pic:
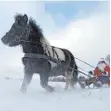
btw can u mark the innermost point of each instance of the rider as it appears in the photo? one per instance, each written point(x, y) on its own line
point(102, 71)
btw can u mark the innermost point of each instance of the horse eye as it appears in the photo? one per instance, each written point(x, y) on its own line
point(17, 22)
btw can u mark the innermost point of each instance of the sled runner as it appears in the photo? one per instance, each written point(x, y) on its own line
point(95, 81)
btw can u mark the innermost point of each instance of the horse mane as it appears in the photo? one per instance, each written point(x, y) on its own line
point(36, 28)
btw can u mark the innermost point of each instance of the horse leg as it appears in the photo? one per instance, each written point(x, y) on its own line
point(67, 81)
point(26, 81)
point(69, 77)
point(74, 76)
point(44, 81)
point(73, 79)
point(44, 70)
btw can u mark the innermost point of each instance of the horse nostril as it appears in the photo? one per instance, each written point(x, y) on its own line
point(2, 39)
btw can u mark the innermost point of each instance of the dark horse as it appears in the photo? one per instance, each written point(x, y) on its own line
point(39, 54)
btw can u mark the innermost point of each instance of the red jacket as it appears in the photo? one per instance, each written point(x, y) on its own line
point(97, 72)
point(107, 69)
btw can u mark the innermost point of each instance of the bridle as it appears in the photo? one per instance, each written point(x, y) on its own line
point(24, 36)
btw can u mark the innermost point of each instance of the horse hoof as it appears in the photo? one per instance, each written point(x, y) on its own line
point(72, 87)
point(50, 89)
point(66, 88)
point(23, 90)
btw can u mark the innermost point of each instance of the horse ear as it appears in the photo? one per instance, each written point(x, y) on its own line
point(25, 18)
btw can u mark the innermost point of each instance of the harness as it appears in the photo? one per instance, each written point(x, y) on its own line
point(41, 56)
point(26, 33)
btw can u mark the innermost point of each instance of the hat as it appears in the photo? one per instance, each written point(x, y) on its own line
point(101, 60)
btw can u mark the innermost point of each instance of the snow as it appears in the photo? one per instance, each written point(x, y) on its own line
point(37, 99)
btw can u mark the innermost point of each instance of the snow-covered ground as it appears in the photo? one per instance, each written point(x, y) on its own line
point(37, 99)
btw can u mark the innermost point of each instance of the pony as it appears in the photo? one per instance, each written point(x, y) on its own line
point(39, 56)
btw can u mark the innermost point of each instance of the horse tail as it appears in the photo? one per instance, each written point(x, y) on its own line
point(75, 67)
point(72, 64)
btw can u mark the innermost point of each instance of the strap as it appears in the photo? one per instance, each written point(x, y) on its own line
point(40, 56)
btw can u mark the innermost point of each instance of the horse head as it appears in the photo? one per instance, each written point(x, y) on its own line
point(17, 31)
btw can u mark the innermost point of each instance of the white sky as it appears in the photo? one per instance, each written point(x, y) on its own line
point(88, 38)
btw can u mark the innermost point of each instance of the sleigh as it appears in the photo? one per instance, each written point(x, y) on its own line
point(92, 82)
point(84, 82)
point(95, 81)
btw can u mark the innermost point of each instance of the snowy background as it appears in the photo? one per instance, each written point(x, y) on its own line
point(83, 28)
point(37, 99)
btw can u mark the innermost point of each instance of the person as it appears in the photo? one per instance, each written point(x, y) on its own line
point(102, 71)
